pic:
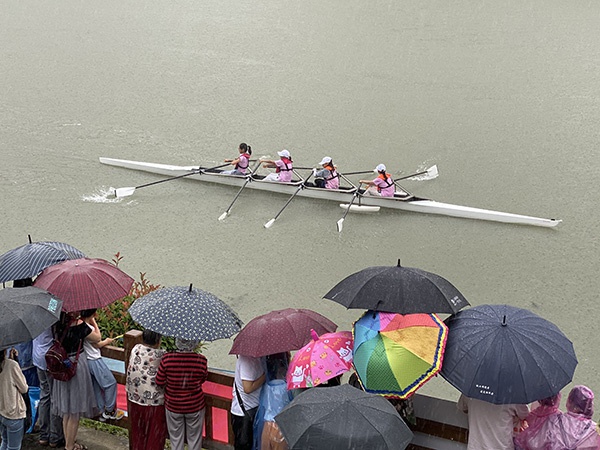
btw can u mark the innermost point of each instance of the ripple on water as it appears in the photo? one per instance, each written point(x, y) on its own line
point(104, 194)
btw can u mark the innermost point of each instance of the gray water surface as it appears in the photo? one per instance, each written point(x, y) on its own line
point(503, 96)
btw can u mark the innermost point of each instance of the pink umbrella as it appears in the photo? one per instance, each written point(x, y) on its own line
point(322, 359)
point(85, 283)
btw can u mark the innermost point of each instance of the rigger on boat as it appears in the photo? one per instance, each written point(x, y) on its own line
point(402, 200)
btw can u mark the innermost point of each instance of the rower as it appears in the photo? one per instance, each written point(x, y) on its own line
point(327, 177)
point(242, 162)
point(283, 167)
point(382, 186)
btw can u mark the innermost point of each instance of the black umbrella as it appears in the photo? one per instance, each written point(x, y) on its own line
point(342, 418)
point(28, 260)
point(397, 289)
point(25, 313)
point(502, 354)
point(186, 313)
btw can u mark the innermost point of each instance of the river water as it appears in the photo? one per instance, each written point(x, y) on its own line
point(503, 96)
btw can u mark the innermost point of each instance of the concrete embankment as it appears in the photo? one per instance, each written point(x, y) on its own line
point(92, 439)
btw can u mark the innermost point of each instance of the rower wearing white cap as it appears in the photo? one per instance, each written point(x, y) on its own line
point(327, 177)
point(383, 185)
point(283, 167)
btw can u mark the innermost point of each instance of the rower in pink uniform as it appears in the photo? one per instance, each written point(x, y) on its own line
point(242, 162)
point(283, 167)
point(383, 185)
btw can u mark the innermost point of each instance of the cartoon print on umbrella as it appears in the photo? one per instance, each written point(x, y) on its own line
point(322, 359)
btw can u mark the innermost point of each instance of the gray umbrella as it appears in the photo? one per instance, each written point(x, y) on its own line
point(342, 418)
point(397, 289)
point(28, 260)
point(187, 313)
point(25, 313)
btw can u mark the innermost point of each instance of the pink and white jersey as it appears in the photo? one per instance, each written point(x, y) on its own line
point(242, 165)
point(386, 188)
point(333, 182)
point(284, 169)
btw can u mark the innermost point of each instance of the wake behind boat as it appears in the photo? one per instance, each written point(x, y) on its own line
point(343, 195)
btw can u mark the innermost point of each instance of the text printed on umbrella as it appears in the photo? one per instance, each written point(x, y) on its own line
point(485, 390)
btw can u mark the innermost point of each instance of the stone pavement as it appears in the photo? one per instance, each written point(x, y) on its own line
point(92, 439)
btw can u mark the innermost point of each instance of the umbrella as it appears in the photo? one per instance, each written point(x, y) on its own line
point(279, 331)
point(502, 354)
point(25, 313)
point(397, 289)
point(85, 283)
point(342, 418)
point(28, 260)
point(187, 313)
point(396, 354)
point(323, 358)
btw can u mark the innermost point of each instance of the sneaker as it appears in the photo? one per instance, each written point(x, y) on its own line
point(117, 414)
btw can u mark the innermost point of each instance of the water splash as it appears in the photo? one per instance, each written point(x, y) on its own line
point(103, 194)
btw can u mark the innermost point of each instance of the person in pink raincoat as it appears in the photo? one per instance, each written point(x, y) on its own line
point(538, 423)
point(576, 430)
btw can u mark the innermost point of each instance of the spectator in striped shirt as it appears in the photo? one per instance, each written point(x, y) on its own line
point(182, 374)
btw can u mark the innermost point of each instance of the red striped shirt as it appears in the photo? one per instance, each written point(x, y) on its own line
point(182, 375)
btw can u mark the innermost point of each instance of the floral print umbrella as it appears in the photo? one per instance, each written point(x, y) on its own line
point(187, 313)
point(322, 359)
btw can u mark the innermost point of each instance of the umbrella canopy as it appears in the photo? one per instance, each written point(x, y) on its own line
point(397, 289)
point(323, 358)
point(396, 354)
point(25, 313)
point(85, 283)
point(502, 354)
point(187, 313)
point(342, 418)
point(279, 331)
point(28, 260)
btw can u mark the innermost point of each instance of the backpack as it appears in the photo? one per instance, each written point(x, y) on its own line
point(58, 363)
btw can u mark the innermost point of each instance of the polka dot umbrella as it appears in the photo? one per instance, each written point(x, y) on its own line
point(187, 313)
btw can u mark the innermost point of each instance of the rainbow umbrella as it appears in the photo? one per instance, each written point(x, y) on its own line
point(323, 358)
point(395, 354)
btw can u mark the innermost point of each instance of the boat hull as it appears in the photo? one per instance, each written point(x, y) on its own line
point(340, 196)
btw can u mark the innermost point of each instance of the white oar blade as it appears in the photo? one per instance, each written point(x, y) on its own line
point(224, 215)
point(124, 192)
point(432, 172)
point(340, 225)
point(270, 223)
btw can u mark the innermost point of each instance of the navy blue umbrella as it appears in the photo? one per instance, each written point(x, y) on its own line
point(187, 313)
point(502, 354)
point(28, 260)
point(26, 312)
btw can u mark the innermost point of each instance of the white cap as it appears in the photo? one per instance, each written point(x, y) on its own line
point(284, 153)
point(380, 168)
point(325, 160)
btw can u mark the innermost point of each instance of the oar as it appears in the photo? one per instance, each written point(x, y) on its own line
point(127, 191)
point(272, 221)
point(432, 172)
point(340, 223)
point(248, 179)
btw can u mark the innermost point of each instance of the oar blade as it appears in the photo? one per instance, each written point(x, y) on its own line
point(432, 172)
point(340, 224)
point(223, 216)
point(124, 192)
point(270, 223)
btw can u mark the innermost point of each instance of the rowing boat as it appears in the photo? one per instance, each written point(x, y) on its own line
point(342, 195)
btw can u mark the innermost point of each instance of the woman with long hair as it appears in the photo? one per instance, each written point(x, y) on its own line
point(242, 162)
point(74, 398)
point(12, 405)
